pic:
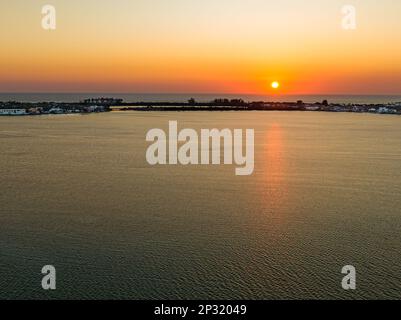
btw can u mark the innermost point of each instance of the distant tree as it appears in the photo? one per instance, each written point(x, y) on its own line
point(192, 101)
point(237, 101)
point(325, 103)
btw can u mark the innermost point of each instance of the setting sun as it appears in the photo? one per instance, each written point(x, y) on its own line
point(275, 85)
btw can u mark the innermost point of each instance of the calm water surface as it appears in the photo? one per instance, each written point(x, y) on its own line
point(76, 192)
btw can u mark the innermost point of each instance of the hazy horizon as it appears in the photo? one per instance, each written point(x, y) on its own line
point(200, 97)
point(199, 93)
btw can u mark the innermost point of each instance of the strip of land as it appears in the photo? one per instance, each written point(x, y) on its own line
point(111, 104)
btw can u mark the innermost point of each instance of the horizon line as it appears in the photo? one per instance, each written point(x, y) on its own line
point(201, 93)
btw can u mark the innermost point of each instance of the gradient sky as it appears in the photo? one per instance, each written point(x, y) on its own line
point(208, 46)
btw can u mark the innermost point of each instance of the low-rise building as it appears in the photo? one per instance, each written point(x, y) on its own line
point(312, 108)
point(94, 109)
point(13, 112)
point(103, 101)
point(56, 110)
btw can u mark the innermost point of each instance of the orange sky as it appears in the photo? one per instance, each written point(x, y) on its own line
point(185, 46)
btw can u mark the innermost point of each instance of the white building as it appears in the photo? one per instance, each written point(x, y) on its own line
point(95, 109)
point(383, 110)
point(12, 112)
point(56, 110)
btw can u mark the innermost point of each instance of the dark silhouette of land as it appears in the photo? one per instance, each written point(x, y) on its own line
point(110, 104)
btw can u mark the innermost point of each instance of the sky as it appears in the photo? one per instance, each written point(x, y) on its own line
point(208, 46)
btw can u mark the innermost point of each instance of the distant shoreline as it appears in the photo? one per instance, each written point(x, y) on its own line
point(14, 108)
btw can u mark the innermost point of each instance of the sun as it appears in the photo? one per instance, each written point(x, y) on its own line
point(275, 84)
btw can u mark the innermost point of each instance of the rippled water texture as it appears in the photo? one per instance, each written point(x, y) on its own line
point(76, 192)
